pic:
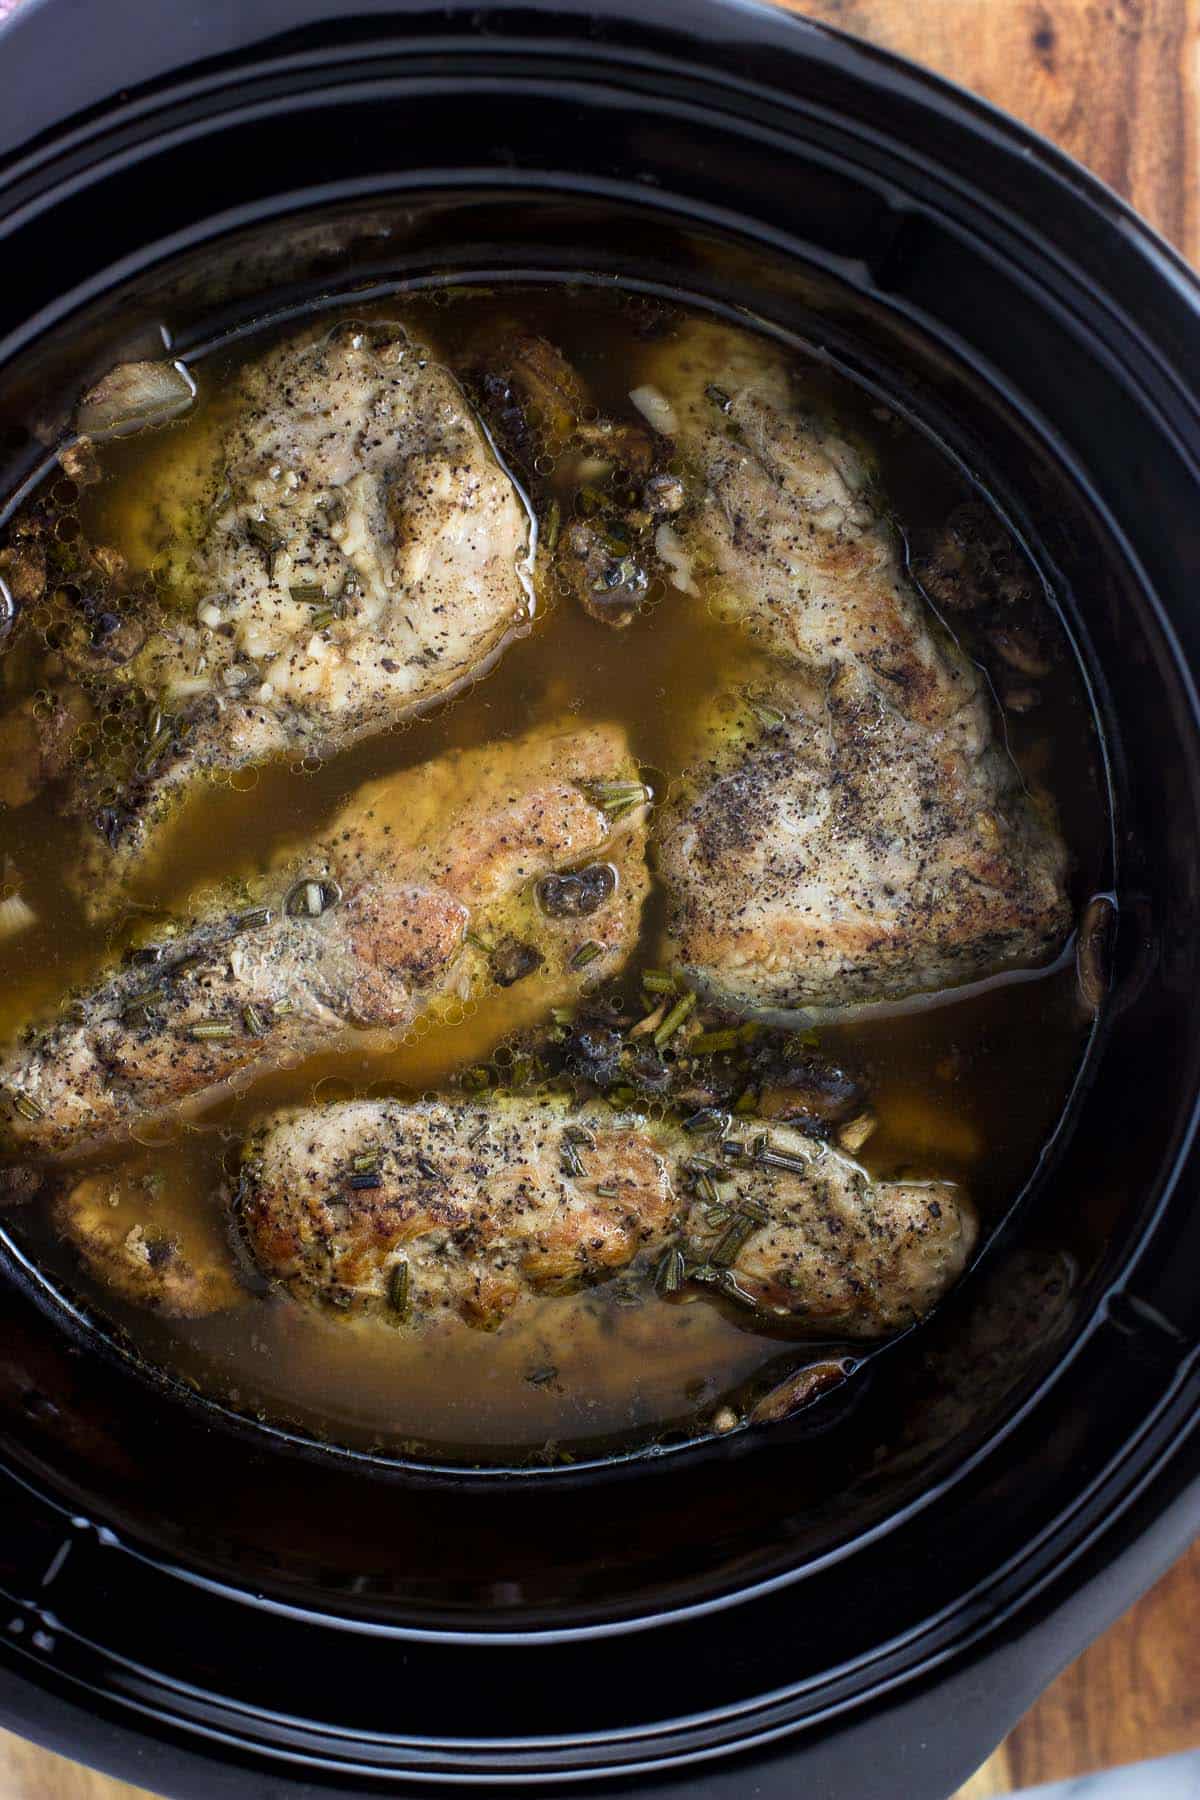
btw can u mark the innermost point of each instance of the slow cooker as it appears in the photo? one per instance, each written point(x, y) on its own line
point(859, 1603)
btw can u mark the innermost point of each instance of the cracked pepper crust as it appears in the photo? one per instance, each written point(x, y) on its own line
point(421, 859)
point(864, 836)
point(482, 1206)
point(363, 554)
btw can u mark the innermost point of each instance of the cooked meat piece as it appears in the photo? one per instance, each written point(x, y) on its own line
point(846, 855)
point(790, 537)
point(362, 554)
point(366, 928)
point(417, 1208)
point(222, 1000)
point(477, 1205)
point(134, 1243)
point(487, 825)
point(823, 1244)
point(866, 838)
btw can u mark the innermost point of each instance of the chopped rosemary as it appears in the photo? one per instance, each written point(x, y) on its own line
point(283, 1008)
point(478, 943)
point(429, 1170)
point(658, 981)
point(551, 527)
point(618, 808)
point(753, 1209)
point(264, 539)
point(306, 591)
point(681, 1010)
point(586, 953)
point(571, 1163)
point(702, 1272)
point(323, 616)
point(725, 1251)
point(616, 798)
point(256, 916)
point(706, 1187)
point(579, 1134)
point(768, 716)
point(717, 1215)
point(707, 1122)
point(213, 1029)
point(607, 1190)
point(358, 1183)
point(255, 1020)
point(669, 1275)
point(712, 1043)
point(364, 1164)
point(398, 1288)
point(160, 737)
point(776, 1159)
point(27, 1106)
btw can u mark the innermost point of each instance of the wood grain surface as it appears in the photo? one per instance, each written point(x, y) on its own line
point(1117, 84)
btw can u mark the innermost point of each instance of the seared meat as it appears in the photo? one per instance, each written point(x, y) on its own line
point(362, 553)
point(476, 1206)
point(804, 1232)
point(790, 537)
point(169, 1259)
point(868, 839)
point(441, 1204)
point(828, 852)
point(425, 885)
point(222, 998)
point(489, 826)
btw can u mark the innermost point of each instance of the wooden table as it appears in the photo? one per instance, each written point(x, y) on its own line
point(1116, 83)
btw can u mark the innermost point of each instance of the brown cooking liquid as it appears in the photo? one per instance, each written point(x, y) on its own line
point(968, 1089)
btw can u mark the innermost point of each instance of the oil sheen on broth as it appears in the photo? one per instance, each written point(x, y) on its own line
point(969, 1088)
